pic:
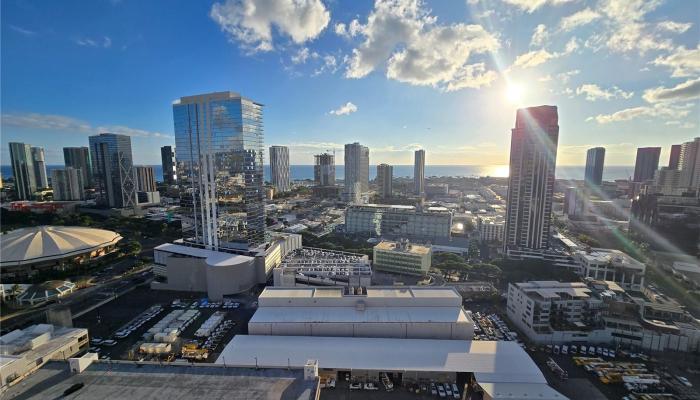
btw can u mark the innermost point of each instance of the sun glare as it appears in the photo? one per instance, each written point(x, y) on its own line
point(514, 93)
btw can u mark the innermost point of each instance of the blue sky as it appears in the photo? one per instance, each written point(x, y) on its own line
point(397, 75)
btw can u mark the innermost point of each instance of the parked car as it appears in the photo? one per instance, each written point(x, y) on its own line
point(433, 389)
point(355, 386)
point(441, 391)
point(370, 386)
point(455, 391)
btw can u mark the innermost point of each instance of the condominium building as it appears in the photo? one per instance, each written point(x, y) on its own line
point(167, 156)
point(279, 168)
point(574, 202)
point(601, 312)
point(113, 166)
point(23, 170)
point(533, 152)
point(67, 184)
point(385, 176)
point(646, 164)
point(219, 141)
point(689, 164)
point(538, 305)
point(595, 159)
point(667, 181)
point(399, 221)
point(42, 181)
point(79, 158)
point(356, 168)
point(419, 172)
point(402, 257)
point(611, 265)
point(490, 228)
point(674, 157)
point(324, 169)
point(145, 179)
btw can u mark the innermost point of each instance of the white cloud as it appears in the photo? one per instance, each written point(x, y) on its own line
point(674, 27)
point(564, 77)
point(348, 31)
point(683, 62)
point(106, 42)
point(346, 109)
point(571, 46)
point(687, 90)
point(23, 31)
point(594, 92)
point(250, 23)
point(626, 30)
point(663, 111)
point(330, 64)
point(580, 18)
point(419, 51)
point(69, 124)
point(539, 36)
point(532, 5)
point(533, 58)
point(301, 56)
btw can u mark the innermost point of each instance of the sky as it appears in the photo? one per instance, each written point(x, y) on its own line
point(445, 76)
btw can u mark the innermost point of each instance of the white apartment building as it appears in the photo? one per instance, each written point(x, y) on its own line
point(491, 228)
point(534, 306)
point(377, 312)
point(398, 221)
point(611, 265)
point(601, 312)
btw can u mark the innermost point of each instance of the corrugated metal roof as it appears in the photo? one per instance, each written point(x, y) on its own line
point(492, 361)
point(350, 314)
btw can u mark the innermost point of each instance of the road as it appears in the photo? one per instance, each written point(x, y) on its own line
point(106, 285)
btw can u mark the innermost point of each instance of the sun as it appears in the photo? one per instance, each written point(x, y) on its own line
point(515, 93)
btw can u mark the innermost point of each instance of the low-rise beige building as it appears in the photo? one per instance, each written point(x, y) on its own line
point(402, 257)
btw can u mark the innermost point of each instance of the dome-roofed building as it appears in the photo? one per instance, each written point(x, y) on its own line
point(26, 250)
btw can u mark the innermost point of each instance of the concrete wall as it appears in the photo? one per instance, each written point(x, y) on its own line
point(230, 279)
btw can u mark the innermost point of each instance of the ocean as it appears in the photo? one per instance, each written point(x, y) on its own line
point(300, 172)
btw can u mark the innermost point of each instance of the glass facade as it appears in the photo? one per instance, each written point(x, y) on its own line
point(113, 166)
point(219, 141)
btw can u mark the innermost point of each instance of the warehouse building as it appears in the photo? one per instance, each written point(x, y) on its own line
point(499, 370)
point(402, 257)
point(24, 351)
point(388, 312)
point(171, 381)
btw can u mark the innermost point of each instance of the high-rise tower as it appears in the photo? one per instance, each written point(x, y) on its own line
point(385, 175)
point(279, 168)
point(219, 141)
point(113, 166)
point(595, 159)
point(533, 153)
point(23, 170)
point(167, 157)
point(419, 172)
point(79, 158)
point(647, 163)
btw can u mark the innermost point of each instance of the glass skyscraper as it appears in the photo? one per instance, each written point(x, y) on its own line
point(595, 159)
point(113, 166)
point(79, 158)
point(219, 141)
point(23, 170)
point(167, 156)
point(279, 168)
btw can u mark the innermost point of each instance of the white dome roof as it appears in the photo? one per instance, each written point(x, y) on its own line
point(43, 243)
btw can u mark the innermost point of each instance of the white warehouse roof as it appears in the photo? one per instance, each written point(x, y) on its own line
point(490, 361)
point(45, 243)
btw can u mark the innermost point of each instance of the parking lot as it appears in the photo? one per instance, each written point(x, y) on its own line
point(133, 313)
